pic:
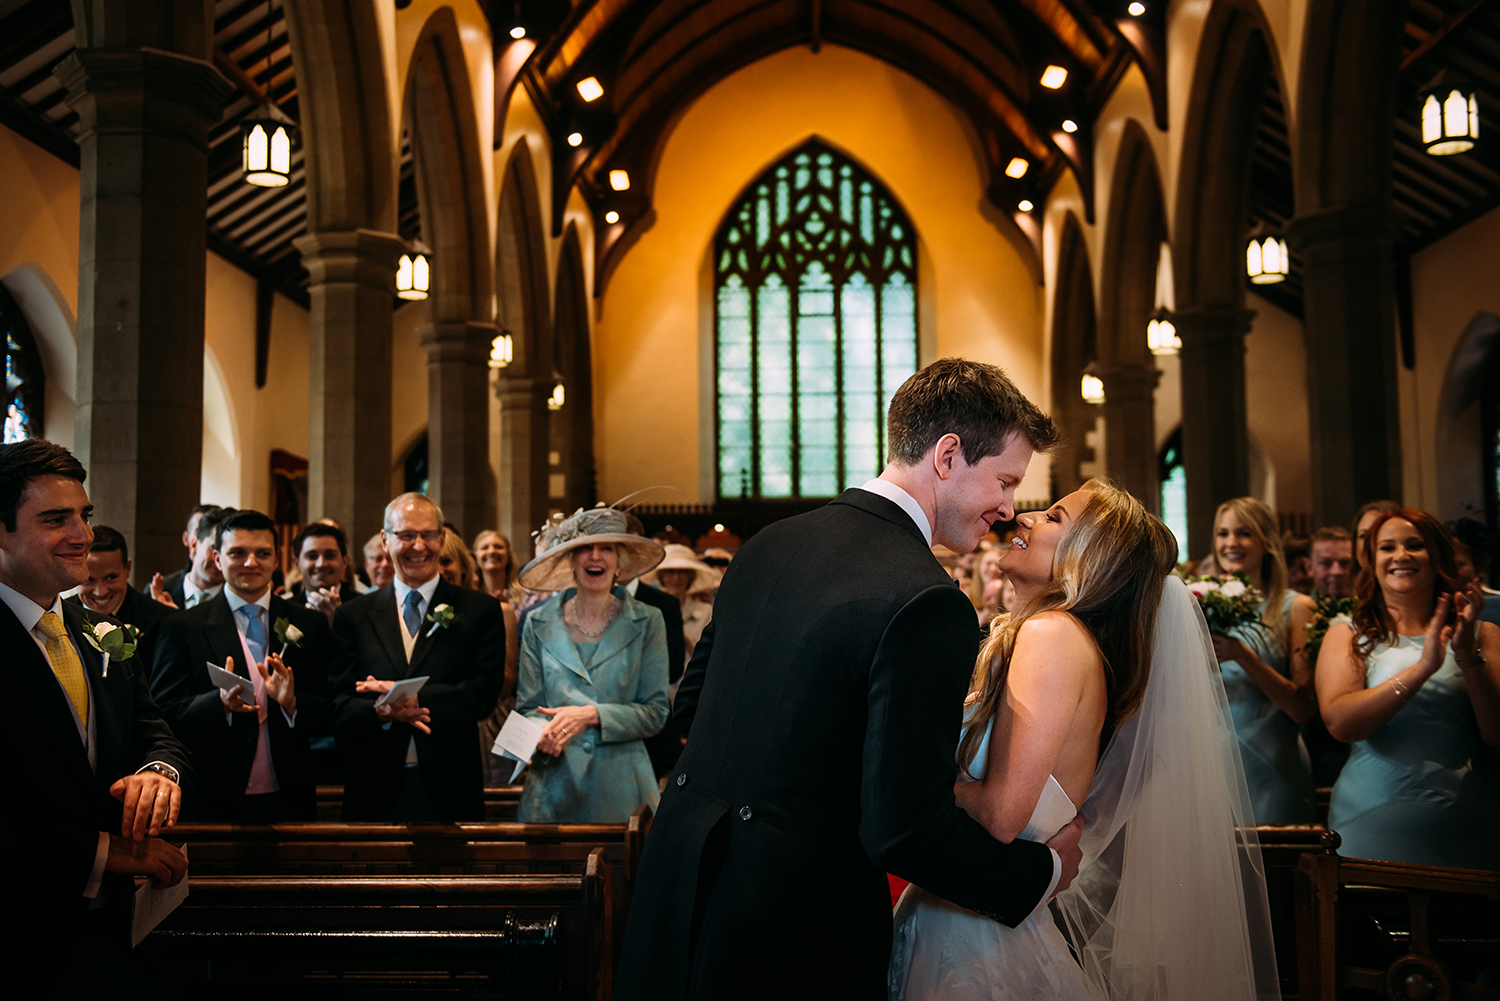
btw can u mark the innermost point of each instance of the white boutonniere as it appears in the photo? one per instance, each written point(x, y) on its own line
point(288, 634)
point(441, 617)
point(112, 641)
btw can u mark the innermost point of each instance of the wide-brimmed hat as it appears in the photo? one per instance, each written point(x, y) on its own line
point(553, 570)
point(682, 558)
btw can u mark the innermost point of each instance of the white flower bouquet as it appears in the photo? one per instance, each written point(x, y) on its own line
point(1228, 603)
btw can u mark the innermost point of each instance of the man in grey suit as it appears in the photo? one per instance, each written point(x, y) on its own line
point(822, 708)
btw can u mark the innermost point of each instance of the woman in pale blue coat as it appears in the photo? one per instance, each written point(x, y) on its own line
point(594, 669)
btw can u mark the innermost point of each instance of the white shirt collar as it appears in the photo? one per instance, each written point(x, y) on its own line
point(26, 610)
point(903, 500)
point(631, 588)
point(236, 602)
point(205, 593)
point(402, 590)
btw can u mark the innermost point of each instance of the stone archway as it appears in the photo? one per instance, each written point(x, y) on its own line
point(571, 431)
point(1074, 346)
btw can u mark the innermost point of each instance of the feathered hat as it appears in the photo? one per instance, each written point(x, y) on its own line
point(553, 570)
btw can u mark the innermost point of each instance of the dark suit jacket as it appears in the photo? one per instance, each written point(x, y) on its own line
point(297, 593)
point(665, 747)
point(224, 750)
point(51, 841)
point(140, 611)
point(172, 584)
point(824, 704)
point(465, 664)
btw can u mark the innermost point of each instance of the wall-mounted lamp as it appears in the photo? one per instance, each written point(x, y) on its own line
point(414, 273)
point(1266, 260)
point(1161, 334)
point(1092, 389)
point(1450, 116)
point(559, 395)
point(502, 350)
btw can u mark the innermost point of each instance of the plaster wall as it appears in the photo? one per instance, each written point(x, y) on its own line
point(979, 292)
point(1276, 407)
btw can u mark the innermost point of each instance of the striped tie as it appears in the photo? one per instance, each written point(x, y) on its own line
point(65, 663)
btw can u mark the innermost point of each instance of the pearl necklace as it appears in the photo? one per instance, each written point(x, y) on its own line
point(576, 624)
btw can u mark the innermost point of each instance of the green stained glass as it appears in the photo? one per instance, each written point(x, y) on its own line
point(814, 331)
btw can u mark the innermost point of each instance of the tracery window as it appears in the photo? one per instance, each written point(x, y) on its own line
point(815, 275)
point(24, 382)
point(1174, 491)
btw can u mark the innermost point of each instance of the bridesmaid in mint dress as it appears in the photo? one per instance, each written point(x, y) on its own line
point(1266, 675)
point(1405, 681)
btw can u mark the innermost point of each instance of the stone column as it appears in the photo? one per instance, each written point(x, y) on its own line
point(458, 419)
point(1215, 444)
point(1130, 423)
point(523, 459)
point(1349, 325)
point(145, 116)
point(353, 289)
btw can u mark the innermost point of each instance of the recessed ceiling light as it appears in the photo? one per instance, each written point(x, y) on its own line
point(1054, 77)
point(518, 32)
point(1069, 125)
point(591, 89)
point(1025, 205)
point(611, 217)
point(1136, 9)
point(619, 180)
point(1017, 167)
point(575, 138)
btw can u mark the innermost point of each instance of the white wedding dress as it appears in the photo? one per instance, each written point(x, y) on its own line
point(943, 952)
point(1170, 901)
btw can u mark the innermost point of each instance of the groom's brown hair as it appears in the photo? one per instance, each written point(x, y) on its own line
point(975, 401)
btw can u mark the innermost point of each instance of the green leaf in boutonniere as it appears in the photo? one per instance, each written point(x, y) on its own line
point(288, 634)
point(1328, 609)
point(441, 617)
point(115, 642)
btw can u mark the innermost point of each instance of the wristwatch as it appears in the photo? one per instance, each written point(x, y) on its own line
point(163, 769)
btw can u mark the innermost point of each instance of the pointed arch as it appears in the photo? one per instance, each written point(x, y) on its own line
point(572, 426)
point(1074, 346)
point(521, 281)
point(815, 292)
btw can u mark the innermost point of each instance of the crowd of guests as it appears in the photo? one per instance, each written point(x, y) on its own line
point(1374, 668)
point(589, 639)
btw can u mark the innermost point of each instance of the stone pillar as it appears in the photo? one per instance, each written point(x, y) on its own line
point(458, 419)
point(523, 459)
point(1215, 444)
point(353, 289)
point(143, 141)
point(1130, 422)
point(1349, 325)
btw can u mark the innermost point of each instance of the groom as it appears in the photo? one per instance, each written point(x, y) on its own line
point(824, 704)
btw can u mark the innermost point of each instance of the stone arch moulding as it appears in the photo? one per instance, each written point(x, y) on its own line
point(346, 129)
point(521, 273)
point(572, 427)
point(1074, 346)
point(1459, 431)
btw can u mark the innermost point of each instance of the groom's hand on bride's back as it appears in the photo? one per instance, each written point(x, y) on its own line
point(1065, 843)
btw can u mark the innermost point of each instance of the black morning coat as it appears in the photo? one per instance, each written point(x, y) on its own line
point(51, 831)
point(223, 744)
point(665, 746)
point(823, 708)
point(465, 664)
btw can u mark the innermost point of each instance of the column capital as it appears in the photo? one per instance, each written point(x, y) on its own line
point(1201, 327)
point(143, 88)
point(458, 339)
point(1343, 222)
point(1127, 380)
point(363, 256)
point(521, 392)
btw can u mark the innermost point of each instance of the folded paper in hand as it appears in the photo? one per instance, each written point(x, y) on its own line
point(401, 689)
point(517, 740)
point(152, 903)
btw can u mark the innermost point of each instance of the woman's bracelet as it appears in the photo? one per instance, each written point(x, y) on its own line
point(1401, 690)
point(1471, 662)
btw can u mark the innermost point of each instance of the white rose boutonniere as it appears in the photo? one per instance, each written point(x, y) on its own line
point(441, 617)
point(289, 635)
point(117, 642)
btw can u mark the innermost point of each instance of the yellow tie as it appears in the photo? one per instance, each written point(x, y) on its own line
point(65, 663)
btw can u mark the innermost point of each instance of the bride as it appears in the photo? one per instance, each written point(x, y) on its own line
point(1102, 655)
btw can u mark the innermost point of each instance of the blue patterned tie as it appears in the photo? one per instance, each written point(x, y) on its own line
point(255, 632)
point(413, 613)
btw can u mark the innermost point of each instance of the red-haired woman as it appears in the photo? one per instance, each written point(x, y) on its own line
point(1404, 681)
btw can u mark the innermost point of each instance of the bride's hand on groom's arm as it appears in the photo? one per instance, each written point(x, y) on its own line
point(1065, 843)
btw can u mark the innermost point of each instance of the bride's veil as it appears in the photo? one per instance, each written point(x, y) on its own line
point(1170, 902)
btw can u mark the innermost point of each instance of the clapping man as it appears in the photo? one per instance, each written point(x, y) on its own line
point(415, 760)
point(250, 744)
point(202, 580)
point(323, 560)
point(108, 589)
point(1332, 562)
point(101, 769)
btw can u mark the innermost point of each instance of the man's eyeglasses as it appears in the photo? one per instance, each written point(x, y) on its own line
point(431, 538)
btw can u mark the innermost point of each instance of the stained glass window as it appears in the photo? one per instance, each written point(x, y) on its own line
point(815, 323)
point(24, 385)
point(1174, 492)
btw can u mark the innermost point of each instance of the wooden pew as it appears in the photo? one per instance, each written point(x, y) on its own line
point(499, 802)
point(1281, 848)
point(1402, 931)
point(313, 936)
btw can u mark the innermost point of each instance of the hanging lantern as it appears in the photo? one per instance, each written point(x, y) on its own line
point(266, 148)
point(559, 395)
point(1266, 260)
point(1161, 334)
point(1092, 388)
point(414, 273)
point(1450, 116)
point(502, 350)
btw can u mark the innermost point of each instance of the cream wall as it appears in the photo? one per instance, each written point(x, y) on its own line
point(984, 302)
point(1276, 405)
point(1452, 281)
point(408, 385)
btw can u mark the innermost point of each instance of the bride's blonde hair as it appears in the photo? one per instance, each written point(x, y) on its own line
point(1108, 573)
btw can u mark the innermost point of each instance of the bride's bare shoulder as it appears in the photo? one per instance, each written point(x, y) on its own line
point(1059, 639)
